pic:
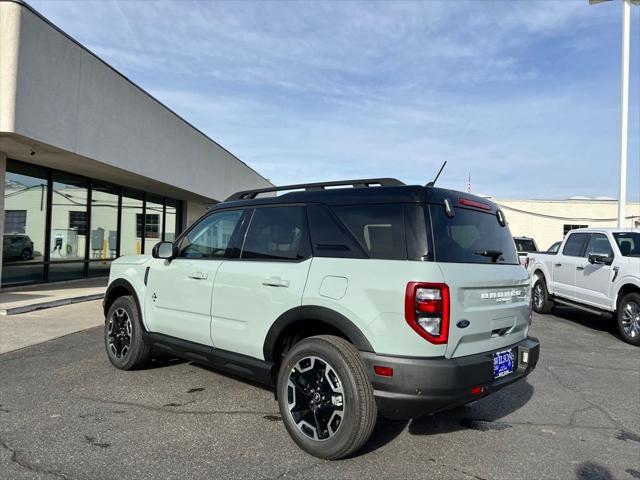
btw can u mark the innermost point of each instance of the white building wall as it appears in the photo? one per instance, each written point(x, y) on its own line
point(544, 220)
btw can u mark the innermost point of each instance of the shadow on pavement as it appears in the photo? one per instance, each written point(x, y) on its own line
point(593, 471)
point(483, 415)
point(605, 323)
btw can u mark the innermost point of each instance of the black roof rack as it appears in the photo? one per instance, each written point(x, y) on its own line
point(365, 182)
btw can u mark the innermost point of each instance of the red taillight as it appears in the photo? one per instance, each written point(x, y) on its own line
point(472, 203)
point(477, 390)
point(526, 262)
point(383, 371)
point(426, 310)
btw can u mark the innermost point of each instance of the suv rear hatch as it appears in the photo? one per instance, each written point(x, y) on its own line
point(489, 290)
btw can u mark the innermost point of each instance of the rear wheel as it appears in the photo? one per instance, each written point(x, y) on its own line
point(325, 397)
point(629, 318)
point(123, 335)
point(540, 297)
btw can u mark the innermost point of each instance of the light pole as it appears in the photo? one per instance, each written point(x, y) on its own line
point(624, 107)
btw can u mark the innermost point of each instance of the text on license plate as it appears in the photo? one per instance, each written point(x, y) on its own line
point(502, 363)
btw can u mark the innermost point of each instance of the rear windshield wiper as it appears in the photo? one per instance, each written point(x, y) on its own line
point(494, 254)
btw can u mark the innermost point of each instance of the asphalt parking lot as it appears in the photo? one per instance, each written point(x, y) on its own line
point(66, 413)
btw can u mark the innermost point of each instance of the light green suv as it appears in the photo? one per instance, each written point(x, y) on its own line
point(367, 297)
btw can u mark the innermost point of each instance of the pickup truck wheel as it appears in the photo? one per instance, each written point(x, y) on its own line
point(123, 335)
point(325, 397)
point(629, 318)
point(540, 297)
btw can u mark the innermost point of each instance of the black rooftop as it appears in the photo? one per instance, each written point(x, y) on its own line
point(361, 191)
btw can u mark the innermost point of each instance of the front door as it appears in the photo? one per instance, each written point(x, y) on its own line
point(564, 266)
point(178, 293)
point(268, 279)
point(593, 281)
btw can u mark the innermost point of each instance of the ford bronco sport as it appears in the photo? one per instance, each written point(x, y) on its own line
point(402, 300)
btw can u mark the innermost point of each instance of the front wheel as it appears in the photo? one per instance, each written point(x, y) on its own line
point(123, 335)
point(541, 302)
point(628, 316)
point(325, 397)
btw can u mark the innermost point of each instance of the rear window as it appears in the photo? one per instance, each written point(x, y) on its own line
point(378, 228)
point(471, 236)
point(628, 243)
point(525, 245)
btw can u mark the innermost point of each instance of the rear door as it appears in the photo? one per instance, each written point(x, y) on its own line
point(488, 288)
point(566, 264)
point(268, 279)
point(593, 281)
point(178, 293)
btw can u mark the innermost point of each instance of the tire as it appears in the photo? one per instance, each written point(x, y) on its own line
point(628, 317)
point(26, 254)
point(344, 410)
point(540, 300)
point(123, 335)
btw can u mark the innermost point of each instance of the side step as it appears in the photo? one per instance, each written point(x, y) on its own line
point(569, 303)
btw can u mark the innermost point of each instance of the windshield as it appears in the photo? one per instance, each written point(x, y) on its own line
point(628, 243)
point(554, 248)
point(471, 236)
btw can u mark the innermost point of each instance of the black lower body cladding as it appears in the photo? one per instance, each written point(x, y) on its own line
point(427, 385)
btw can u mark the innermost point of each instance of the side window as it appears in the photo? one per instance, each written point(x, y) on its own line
point(379, 229)
point(210, 237)
point(599, 244)
point(329, 238)
point(276, 233)
point(574, 244)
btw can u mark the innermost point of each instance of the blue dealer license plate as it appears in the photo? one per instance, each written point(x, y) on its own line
point(502, 363)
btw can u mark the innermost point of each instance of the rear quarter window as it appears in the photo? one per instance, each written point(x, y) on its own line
point(470, 236)
point(379, 229)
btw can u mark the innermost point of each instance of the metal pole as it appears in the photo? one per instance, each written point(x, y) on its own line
point(624, 121)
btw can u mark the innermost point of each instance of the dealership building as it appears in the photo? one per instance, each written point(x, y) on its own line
point(91, 166)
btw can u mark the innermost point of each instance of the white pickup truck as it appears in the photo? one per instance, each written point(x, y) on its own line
point(595, 269)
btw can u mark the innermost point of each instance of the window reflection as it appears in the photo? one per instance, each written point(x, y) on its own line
point(25, 203)
point(68, 221)
point(153, 222)
point(104, 227)
point(83, 238)
point(171, 219)
point(131, 235)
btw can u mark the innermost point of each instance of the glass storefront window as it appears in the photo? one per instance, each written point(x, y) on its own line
point(103, 238)
point(153, 227)
point(68, 238)
point(25, 203)
point(130, 234)
point(171, 219)
point(91, 222)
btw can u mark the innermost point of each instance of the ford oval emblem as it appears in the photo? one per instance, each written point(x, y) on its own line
point(463, 323)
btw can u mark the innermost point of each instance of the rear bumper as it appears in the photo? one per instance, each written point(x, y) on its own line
point(428, 385)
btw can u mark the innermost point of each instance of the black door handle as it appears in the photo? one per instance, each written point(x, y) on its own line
point(558, 264)
point(579, 268)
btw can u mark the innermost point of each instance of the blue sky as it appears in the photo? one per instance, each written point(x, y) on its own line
point(525, 95)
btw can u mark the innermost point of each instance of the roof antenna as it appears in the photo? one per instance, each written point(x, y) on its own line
point(433, 182)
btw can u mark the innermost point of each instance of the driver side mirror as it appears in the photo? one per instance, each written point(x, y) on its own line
point(165, 250)
point(598, 259)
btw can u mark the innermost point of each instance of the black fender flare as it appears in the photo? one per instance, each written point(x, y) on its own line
point(311, 313)
point(118, 284)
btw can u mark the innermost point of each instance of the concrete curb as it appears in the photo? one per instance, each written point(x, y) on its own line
point(54, 303)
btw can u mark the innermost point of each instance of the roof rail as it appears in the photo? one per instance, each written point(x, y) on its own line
point(365, 182)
